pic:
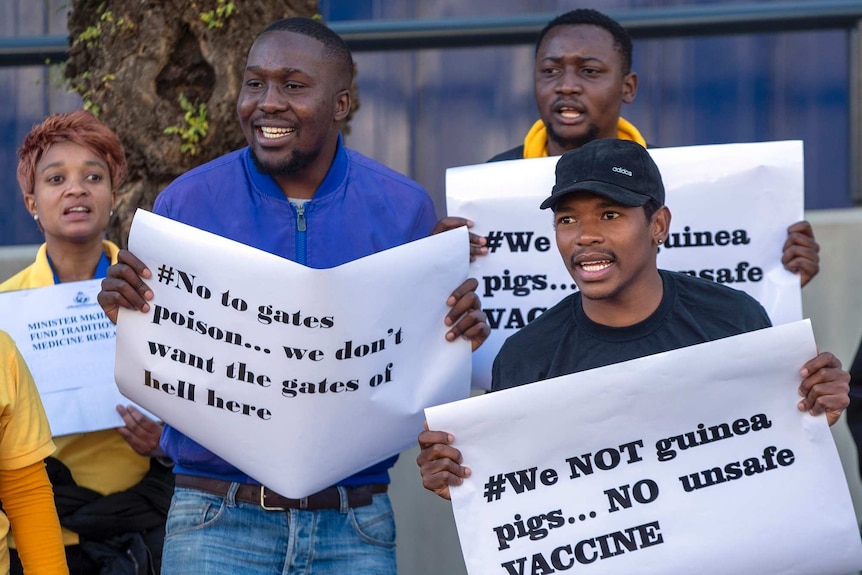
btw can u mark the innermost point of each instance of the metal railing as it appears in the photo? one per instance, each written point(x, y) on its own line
point(673, 22)
point(386, 35)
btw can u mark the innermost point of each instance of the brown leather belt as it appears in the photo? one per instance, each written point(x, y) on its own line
point(329, 498)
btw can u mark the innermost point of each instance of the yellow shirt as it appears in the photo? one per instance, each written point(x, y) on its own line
point(25, 439)
point(536, 140)
point(99, 460)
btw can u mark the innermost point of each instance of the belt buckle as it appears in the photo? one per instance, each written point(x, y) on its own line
point(263, 501)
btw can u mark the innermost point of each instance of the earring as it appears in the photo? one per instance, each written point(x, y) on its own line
point(111, 214)
point(35, 217)
point(660, 242)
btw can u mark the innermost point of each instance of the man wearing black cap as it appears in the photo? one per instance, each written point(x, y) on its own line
point(610, 219)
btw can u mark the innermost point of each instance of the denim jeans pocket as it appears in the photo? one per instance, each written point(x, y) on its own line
point(191, 510)
point(375, 523)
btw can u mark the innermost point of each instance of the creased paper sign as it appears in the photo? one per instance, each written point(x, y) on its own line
point(731, 206)
point(299, 377)
point(68, 344)
point(695, 460)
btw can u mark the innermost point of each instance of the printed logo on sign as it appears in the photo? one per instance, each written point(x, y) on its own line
point(81, 300)
point(621, 171)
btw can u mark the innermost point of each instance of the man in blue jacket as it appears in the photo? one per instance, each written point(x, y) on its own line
point(296, 192)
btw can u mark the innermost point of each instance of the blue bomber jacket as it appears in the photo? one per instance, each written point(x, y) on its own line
point(361, 207)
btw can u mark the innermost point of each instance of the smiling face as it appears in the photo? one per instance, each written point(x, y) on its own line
point(610, 252)
point(580, 86)
point(292, 101)
point(72, 194)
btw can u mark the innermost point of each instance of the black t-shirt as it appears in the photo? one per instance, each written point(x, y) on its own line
point(564, 340)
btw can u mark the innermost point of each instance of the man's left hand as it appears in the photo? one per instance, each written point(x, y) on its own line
point(801, 252)
point(825, 387)
point(477, 242)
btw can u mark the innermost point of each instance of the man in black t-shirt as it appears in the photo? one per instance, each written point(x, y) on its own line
point(610, 219)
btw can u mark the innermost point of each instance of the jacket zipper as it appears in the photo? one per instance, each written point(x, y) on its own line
point(301, 228)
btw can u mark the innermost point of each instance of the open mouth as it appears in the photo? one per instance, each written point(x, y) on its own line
point(271, 133)
point(569, 110)
point(595, 266)
point(569, 113)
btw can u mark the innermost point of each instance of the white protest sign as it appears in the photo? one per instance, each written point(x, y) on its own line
point(731, 206)
point(695, 460)
point(68, 344)
point(299, 377)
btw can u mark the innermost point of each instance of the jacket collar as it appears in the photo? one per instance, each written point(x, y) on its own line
point(333, 181)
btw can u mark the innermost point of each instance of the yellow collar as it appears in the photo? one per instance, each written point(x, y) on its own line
point(536, 142)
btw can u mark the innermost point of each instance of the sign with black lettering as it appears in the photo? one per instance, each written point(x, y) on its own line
point(731, 206)
point(695, 460)
point(299, 377)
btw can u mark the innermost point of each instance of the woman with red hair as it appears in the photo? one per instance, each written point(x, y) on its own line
point(70, 168)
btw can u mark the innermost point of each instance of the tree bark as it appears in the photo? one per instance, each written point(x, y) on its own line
point(131, 60)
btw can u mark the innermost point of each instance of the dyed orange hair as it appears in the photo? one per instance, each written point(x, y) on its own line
point(79, 127)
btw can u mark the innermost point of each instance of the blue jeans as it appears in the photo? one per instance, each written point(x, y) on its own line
point(207, 534)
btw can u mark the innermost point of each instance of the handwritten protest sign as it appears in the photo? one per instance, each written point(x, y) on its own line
point(299, 377)
point(731, 206)
point(68, 344)
point(695, 460)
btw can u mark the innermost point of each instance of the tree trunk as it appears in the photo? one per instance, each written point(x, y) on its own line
point(147, 66)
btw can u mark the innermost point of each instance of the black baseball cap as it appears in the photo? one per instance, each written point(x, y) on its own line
point(620, 170)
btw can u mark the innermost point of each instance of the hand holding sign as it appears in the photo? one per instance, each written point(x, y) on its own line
point(800, 252)
point(466, 316)
point(124, 286)
point(477, 242)
point(825, 387)
point(440, 463)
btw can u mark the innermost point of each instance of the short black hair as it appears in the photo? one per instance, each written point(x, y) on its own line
point(650, 208)
point(590, 17)
point(334, 45)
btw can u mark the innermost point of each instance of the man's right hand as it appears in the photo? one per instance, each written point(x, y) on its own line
point(440, 463)
point(124, 286)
